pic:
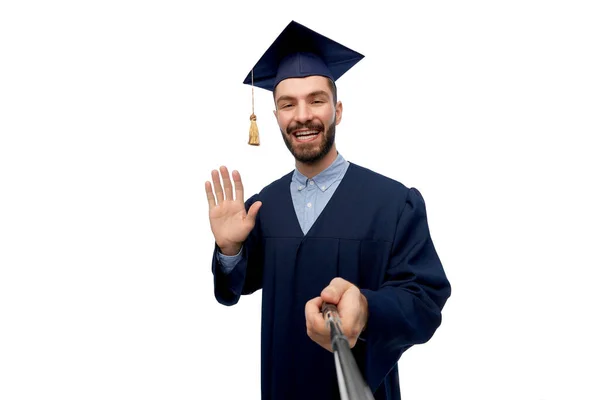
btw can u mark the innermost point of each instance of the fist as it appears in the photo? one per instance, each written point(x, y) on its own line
point(352, 308)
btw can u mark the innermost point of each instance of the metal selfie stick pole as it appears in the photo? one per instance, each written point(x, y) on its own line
point(350, 380)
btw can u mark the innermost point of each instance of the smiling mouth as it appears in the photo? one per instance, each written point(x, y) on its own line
point(306, 136)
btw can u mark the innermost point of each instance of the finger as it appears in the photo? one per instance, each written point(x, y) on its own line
point(227, 183)
point(313, 306)
point(351, 322)
point(320, 325)
point(336, 289)
point(315, 323)
point(217, 184)
point(253, 211)
point(353, 311)
point(317, 328)
point(239, 187)
point(209, 195)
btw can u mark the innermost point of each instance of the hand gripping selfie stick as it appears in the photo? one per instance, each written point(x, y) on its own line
point(350, 381)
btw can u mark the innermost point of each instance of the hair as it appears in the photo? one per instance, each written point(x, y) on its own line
point(332, 87)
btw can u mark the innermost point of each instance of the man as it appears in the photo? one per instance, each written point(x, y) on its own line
point(328, 231)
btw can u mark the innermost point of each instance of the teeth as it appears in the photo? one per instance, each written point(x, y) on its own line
point(305, 138)
point(306, 133)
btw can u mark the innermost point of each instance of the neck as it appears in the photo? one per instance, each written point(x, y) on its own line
point(314, 169)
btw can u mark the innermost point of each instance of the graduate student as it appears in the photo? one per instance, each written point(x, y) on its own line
point(329, 230)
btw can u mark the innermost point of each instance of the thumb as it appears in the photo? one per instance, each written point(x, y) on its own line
point(253, 211)
point(336, 289)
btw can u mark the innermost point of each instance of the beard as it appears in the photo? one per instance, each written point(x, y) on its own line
point(307, 153)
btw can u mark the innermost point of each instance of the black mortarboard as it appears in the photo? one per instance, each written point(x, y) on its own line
point(298, 52)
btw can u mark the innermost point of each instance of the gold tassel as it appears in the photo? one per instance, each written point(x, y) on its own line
point(254, 140)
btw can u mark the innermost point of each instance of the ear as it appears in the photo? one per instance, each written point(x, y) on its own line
point(339, 108)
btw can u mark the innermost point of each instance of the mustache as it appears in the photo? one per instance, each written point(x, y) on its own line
point(309, 125)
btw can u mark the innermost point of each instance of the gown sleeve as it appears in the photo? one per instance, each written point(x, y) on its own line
point(406, 309)
point(246, 276)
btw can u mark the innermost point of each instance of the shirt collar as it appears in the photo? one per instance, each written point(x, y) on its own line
point(325, 178)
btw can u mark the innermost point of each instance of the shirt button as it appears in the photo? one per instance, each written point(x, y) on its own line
point(312, 182)
point(300, 187)
point(309, 205)
point(323, 187)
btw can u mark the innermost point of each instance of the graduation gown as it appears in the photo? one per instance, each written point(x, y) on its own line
point(373, 232)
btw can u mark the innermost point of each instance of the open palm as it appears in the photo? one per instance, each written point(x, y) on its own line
point(229, 221)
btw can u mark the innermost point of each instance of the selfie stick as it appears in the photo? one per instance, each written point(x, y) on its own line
point(350, 381)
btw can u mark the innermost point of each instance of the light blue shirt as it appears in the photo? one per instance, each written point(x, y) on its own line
point(310, 196)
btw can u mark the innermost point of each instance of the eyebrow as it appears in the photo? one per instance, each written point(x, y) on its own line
point(311, 94)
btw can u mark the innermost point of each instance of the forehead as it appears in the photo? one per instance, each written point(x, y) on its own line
point(301, 87)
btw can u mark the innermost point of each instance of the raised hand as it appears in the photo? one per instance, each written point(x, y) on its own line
point(229, 221)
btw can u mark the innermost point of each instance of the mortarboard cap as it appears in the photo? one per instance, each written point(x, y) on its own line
point(298, 52)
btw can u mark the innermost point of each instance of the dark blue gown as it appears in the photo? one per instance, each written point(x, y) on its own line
point(373, 233)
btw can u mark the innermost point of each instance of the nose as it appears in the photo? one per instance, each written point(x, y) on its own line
point(303, 113)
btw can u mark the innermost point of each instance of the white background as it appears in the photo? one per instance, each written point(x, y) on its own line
point(113, 113)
